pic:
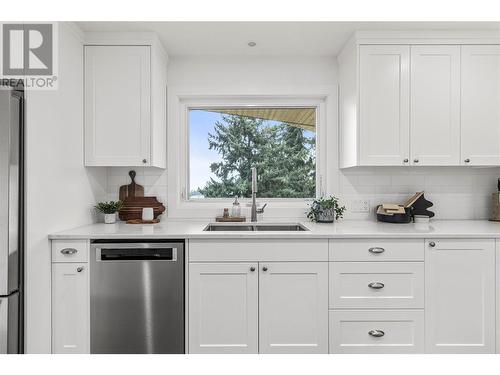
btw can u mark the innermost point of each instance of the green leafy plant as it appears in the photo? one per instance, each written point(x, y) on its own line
point(110, 207)
point(323, 206)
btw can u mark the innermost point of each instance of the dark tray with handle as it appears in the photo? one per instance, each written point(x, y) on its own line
point(132, 190)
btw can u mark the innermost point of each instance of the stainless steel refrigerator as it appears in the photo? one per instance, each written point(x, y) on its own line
point(11, 219)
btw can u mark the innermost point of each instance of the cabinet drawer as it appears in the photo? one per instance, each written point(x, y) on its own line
point(377, 331)
point(69, 251)
point(376, 250)
point(376, 285)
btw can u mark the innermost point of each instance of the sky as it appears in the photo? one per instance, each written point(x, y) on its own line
point(201, 123)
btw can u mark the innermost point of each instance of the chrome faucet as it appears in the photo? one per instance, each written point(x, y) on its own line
point(255, 210)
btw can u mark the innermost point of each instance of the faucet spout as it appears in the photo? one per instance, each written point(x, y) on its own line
point(255, 210)
point(254, 195)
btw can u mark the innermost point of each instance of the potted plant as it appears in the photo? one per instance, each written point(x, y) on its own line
point(109, 209)
point(325, 210)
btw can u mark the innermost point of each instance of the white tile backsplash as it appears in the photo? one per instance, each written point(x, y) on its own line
point(457, 193)
point(154, 181)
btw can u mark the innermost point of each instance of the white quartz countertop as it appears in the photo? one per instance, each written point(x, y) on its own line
point(343, 229)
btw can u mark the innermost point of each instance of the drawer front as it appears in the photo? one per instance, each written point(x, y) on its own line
point(376, 250)
point(377, 331)
point(254, 250)
point(376, 285)
point(69, 251)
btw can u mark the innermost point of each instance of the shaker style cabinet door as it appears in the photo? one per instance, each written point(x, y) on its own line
point(435, 105)
point(70, 308)
point(223, 308)
point(384, 86)
point(480, 105)
point(117, 106)
point(460, 296)
point(293, 302)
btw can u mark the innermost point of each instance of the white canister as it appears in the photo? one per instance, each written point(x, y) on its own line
point(110, 218)
point(147, 214)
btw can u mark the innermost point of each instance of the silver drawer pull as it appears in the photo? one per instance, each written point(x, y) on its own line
point(376, 285)
point(69, 251)
point(376, 250)
point(376, 333)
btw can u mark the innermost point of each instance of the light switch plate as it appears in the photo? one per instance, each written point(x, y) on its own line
point(360, 205)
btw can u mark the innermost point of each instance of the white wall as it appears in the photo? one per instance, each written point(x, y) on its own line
point(251, 71)
point(457, 193)
point(59, 190)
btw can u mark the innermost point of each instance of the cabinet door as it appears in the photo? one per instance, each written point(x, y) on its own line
point(117, 105)
point(70, 308)
point(497, 294)
point(384, 80)
point(460, 296)
point(223, 308)
point(293, 301)
point(480, 105)
point(435, 105)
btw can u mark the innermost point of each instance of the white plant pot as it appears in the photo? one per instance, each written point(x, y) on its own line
point(110, 218)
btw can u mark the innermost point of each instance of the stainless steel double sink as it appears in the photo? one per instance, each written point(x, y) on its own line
point(255, 227)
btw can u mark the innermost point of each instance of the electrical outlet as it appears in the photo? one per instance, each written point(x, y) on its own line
point(360, 205)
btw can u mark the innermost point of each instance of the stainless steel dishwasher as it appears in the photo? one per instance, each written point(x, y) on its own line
point(136, 297)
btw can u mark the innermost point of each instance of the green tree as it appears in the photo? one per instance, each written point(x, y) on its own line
point(283, 155)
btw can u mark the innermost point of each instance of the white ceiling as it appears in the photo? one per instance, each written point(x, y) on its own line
point(272, 38)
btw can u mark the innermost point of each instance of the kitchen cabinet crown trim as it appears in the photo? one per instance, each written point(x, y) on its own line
point(426, 37)
point(98, 38)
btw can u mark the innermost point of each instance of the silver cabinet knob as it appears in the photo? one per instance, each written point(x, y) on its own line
point(376, 250)
point(406, 160)
point(415, 160)
point(432, 244)
point(79, 269)
point(144, 161)
point(69, 251)
point(376, 333)
point(252, 269)
point(264, 268)
point(467, 160)
point(376, 285)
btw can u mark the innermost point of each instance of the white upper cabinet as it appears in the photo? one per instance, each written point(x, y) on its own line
point(117, 105)
point(480, 105)
point(435, 105)
point(125, 106)
point(460, 296)
point(419, 100)
point(384, 80)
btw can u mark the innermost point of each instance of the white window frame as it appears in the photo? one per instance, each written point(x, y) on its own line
point(178, 203)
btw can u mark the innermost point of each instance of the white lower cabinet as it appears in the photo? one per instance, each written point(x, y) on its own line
point(377, 331)
point(70, 308)
point(293, 304)
point(460, 296)
point(223, 307)
point(266, 307)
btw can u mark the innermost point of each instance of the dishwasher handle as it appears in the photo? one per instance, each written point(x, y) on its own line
point(128, 254)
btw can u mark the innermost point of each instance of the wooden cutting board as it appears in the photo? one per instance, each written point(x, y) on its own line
point(132, 190)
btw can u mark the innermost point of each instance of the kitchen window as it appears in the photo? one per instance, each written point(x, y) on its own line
point(224, 142)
